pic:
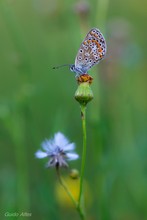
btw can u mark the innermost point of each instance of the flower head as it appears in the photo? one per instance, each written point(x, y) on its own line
point(58, 150)
point(84, 93)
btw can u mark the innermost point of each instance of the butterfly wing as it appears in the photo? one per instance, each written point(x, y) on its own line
point(91, 51)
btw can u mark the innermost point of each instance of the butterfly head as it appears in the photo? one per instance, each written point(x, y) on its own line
point(77, 70)
point(72, 68)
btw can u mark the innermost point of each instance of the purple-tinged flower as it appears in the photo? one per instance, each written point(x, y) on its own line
point(58, 150)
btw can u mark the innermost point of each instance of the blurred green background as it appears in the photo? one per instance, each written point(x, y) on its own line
point(37, 101)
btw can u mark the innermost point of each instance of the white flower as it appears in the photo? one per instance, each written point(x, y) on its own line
point(58, 150)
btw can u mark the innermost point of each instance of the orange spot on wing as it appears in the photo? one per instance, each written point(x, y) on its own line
point(98, 45)
point(99, 50)
point(89, 41)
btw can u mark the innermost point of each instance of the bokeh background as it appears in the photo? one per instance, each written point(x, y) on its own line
point(37, 101)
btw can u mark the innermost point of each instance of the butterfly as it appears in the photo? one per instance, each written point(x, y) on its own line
point(91, 51)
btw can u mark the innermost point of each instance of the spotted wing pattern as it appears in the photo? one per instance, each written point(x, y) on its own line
point(91, 51)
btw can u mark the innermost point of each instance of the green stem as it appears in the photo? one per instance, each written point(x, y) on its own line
point(63, 184)
point(83, 114)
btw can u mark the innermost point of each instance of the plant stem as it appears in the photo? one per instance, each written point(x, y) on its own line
point(63, 184)
point(83, 114)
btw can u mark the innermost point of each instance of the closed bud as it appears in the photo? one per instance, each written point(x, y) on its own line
point(84, 93)
point(74, 174)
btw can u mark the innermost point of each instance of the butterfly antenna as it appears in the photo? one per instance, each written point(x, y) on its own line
point(56, 67)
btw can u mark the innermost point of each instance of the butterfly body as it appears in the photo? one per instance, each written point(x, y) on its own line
point(92, 50)
point(77, 70)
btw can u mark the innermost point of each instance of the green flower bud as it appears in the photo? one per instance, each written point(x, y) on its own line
point(84, 93)
point(74, 174)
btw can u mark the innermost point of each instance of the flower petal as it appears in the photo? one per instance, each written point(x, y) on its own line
point(69, 147)
point(47, 145)
point(72, 156)
point(60, 140)
point(40, 154)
